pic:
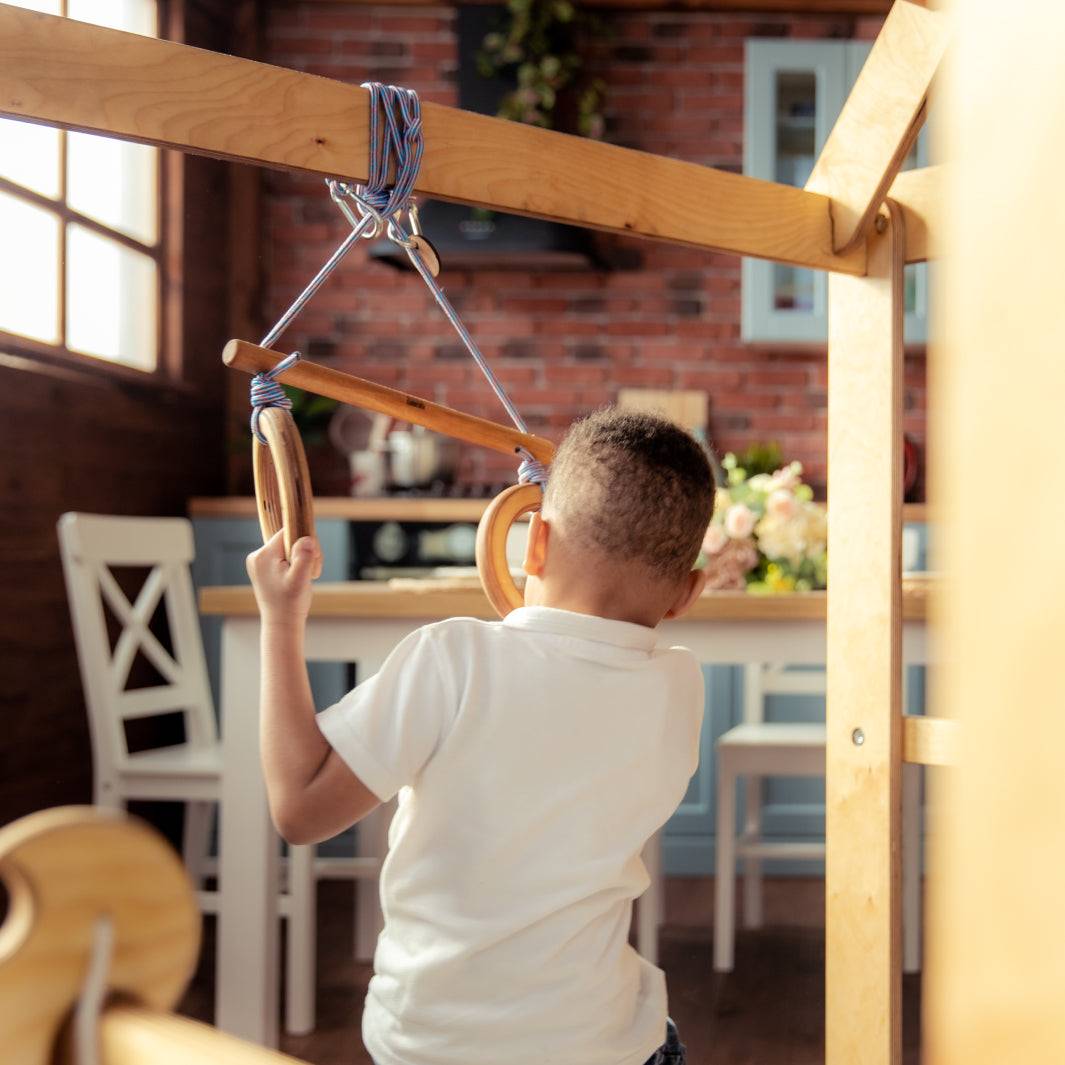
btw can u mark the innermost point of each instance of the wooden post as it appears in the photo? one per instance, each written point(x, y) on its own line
point(864, 752)
point(995, 982)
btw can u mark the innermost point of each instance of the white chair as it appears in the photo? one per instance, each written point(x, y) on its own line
point(650, 907)
point(756, 749)
point(189, 772)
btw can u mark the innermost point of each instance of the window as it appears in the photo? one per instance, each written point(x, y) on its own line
point(80, 214)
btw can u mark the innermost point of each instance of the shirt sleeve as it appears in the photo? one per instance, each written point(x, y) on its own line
point(387, 728)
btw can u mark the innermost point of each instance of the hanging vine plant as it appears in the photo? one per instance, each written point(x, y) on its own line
point(537, 47)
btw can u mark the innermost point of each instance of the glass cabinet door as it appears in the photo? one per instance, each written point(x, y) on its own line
point(792, 94)
point(794, 91)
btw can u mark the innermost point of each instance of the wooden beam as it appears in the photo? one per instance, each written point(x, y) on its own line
point(83, 77)
point(880, 119)
point(918, 193)
point(863, 974)
point(995, 978)
point(929, 740)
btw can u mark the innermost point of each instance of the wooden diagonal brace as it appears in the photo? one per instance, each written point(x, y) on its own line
point(879, 121)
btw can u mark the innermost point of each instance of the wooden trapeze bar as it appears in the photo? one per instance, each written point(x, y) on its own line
point(83, 77)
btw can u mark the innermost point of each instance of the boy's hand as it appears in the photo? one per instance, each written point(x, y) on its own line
point(283, 588)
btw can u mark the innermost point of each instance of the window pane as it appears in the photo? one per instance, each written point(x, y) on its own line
point(49, 7)
point(112, 300)
point(114, 183)
point(29, 156)
point(29, 270)
point(135, 16)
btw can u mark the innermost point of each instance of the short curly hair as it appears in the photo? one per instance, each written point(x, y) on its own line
point(634, 488)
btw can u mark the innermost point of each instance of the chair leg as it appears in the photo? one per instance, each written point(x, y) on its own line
point(725, 878)
point(650, 905)
point(752, 866)
point(373, 843)
point(301, 954)
point(196, 838)
point(911, 868)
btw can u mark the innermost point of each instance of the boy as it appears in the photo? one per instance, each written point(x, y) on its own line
point(536, 756)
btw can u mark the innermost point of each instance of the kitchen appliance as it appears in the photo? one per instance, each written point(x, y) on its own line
point(419, 458)
point(384, 550)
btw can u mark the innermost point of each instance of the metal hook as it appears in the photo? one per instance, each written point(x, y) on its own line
point(397, 236)
point(366, 210)
point(414, 218)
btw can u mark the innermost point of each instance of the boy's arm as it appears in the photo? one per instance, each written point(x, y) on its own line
point(313, 795)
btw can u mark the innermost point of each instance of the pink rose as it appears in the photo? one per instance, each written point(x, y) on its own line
point(739, 521)
point(781, 504)
point(715, 539)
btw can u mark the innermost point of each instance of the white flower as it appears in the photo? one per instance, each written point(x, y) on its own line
point(781, 504)
point(787, 478)
point(715, 539)
point(739, 521)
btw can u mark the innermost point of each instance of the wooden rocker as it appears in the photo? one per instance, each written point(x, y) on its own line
point(100, 942)
point(282, 482)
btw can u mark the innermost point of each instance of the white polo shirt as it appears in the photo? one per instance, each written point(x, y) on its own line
point(533, 759)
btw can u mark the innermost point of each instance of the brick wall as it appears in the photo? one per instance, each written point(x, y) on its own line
point(562, 343)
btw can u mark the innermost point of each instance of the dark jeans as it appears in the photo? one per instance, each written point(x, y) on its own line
point(671, 1052)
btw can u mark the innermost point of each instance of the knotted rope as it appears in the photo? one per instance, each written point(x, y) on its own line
point(266, 392)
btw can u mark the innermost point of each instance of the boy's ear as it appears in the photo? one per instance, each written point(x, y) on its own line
point(536, 547)
point(693, 587)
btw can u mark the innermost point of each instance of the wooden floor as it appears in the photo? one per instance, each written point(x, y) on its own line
point(767, 1012)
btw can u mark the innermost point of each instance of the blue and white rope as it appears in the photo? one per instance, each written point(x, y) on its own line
point(266, 392)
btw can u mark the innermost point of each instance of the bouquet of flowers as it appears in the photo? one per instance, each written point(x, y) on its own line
point(767, 534)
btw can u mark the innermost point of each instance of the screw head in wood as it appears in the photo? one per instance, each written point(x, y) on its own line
point(857, 737)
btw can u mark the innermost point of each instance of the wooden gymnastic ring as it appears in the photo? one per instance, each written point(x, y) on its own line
point(492, 531)
point(282, 481)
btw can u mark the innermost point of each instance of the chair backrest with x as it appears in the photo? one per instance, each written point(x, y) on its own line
point(127, 671)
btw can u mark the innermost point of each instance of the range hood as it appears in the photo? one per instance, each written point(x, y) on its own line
point(467, 238)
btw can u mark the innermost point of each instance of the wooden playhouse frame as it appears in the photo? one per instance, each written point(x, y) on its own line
point(858, 218)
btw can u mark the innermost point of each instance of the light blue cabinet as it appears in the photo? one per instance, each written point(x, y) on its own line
point(222, 545)
point(793, 93)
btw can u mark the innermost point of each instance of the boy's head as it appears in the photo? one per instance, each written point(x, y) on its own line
point(627, 505)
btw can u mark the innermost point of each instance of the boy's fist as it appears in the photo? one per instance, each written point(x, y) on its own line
point(283, 588)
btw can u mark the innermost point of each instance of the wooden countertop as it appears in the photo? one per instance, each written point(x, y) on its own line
point(400, 508)
point(437, 599)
